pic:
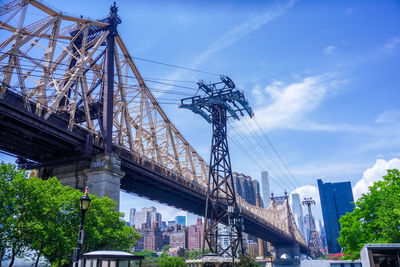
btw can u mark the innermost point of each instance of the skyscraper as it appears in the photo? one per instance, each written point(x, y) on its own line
point(181, 220)
point(132, 217)
point(266, 191)
point(297, 210)
point(146, 217)
point(336, 200)
point(246, 187)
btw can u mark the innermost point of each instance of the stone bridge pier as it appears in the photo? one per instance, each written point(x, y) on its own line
point(102, 175)
point(287, 255)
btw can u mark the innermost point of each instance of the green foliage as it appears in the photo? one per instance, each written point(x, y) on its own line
point(376, 217)
point(146, 253)
point(166, 248)
point(44, 216)
point(167, 261)
point(247, 261)
point(150, 258)
point(193, 254)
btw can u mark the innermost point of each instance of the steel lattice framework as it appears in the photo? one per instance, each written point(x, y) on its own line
point(313, 244)
point(80, 71)
point(214, 106)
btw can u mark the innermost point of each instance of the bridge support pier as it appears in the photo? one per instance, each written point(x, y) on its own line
point(287, 255)
point(102, 174)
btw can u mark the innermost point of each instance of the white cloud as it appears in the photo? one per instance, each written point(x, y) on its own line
point(349, 11)
point(392, 44)
point(389, 116)
point(289, 103)
point(329, 50)
point(374, 174)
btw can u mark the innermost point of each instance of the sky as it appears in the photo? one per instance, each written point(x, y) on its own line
point(321, 76)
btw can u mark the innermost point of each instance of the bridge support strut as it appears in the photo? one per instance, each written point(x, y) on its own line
point(102, 175)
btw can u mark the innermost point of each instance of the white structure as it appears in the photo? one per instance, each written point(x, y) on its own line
point(266, 191)
point(388, 253)
point(297, 210)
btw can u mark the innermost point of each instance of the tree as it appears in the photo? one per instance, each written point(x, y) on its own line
point(247, 261)
point(167, 261)
point(376, 217)
point(44, 216)
point(150, 258)
point(193, 254)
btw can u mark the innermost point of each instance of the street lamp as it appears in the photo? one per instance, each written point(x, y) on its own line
point(84, 205)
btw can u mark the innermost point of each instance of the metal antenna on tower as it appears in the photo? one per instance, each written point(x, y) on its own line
point(313, 248)
point(220, 101)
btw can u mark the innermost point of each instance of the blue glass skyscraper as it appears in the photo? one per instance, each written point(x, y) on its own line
point(336, 200)
point(181, 220)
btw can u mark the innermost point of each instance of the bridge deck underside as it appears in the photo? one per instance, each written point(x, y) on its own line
point(49, 142)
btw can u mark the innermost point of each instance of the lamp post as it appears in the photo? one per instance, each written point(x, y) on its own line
point(84, 205)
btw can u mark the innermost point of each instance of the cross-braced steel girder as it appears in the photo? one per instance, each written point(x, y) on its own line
point(313, 248)
point(217, 102)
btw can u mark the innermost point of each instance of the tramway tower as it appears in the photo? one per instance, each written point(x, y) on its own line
point(218, 102)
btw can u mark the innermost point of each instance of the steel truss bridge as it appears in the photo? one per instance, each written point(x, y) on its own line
point(71, 90)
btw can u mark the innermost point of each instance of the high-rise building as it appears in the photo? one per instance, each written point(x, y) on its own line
point(195, 234)
point(223, 239)
point(297, 210)
point(252, 249)
point(132, 217)
point(336, 200)
point(181, 220)
point(146, 218)
point(141, 219)
point(266, 191)
point(178, 238)
point(323, 237)
point(170, 223)
point(246, 187)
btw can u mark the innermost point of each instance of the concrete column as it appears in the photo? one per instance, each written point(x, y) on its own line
point(102, 174)
point(261, 251)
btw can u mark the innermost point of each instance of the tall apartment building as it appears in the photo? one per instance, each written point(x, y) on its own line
point(246, 187)
point(178, 238)
point(195, 235)
point(336, 200)
point(151, 239)
point(266, 190)
point(298, 215)
point(132, 217)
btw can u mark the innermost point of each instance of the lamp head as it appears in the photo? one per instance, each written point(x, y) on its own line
point(85, 201)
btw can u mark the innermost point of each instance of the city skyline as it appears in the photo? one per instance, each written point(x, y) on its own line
point(340, 117)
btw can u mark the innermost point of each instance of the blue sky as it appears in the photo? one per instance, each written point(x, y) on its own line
point(322, 77)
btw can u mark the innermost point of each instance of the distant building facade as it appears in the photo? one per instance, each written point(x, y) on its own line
point(247, 188)
point(181, 220)
point(336, 200)
point(266, 190)
point(132, 213)
point(298, 215)
point(178, 238)
point(195, 235)
point(146, 218)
